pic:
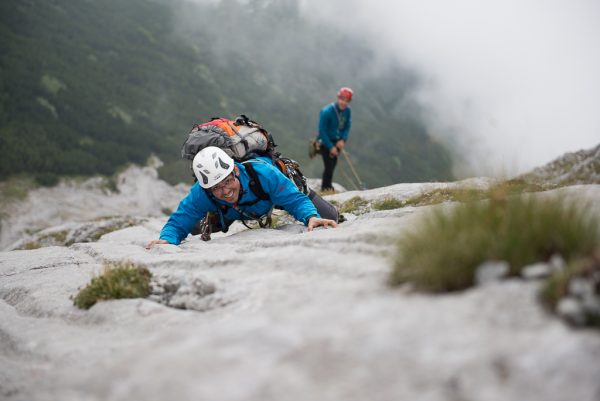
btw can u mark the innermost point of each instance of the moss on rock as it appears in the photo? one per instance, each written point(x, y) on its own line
point(118, 281)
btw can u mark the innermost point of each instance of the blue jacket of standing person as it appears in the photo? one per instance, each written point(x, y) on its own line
point(334, 125)
point(281, 190)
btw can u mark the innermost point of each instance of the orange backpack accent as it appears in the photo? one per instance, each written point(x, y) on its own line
point(223, 123)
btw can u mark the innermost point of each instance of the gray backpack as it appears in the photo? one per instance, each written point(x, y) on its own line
point(241, 139)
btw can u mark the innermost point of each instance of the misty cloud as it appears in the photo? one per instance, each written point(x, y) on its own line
point(511, 83)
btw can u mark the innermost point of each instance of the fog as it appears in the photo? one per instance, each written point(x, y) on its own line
point(511, 84)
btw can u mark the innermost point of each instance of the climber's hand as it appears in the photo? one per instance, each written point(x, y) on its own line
point(155, 242)
point(315, 222)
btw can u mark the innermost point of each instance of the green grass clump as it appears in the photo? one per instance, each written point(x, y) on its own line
point(16, 189)
point(28, 246)
point(458, 194)
point(116, 225)
point(353, 205)
point(556, 287)
point(51, 239)
point(441, 195)
point(518, 186)
point(118, 281)
point(58, 237)
point(445, 250)
point(388, 204)
point(103, 231)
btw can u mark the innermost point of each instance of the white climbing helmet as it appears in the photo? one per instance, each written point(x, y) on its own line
point(211, 166)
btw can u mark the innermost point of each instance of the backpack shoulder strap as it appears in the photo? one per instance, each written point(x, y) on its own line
point(255, 185)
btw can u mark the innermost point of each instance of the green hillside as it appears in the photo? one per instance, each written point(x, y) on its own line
point(88, 86)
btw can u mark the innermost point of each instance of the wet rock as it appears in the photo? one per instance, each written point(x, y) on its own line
point(491, 271)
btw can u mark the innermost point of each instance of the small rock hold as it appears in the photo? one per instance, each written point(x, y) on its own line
point(591, 305)
point(536, 271)
point(182, 290)
point(557, 263)
point(584, 289)
point(350, 217)
point(572, 311)
point(491, 271)
point(581, 288)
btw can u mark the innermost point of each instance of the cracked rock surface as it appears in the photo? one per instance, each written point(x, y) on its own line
point(183, 291)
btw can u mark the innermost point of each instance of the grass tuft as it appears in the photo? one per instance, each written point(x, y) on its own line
point(118, 281)
point(58, 237)
point(445, 250)
point(388, 203)
point(441, 195)
point(458, 194)
point(31, 245)
point(16, 189)
point(353, 205)
point(116, 225)
point(556, 287)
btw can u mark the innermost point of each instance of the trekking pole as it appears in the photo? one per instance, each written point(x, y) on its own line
point(362, 185)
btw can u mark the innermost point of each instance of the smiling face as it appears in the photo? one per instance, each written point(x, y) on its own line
point(227, 190)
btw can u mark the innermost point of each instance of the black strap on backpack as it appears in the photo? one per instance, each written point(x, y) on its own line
point(255, 185)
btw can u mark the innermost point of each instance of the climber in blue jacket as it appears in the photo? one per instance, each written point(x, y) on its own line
point(335, 122)
point(223, 191)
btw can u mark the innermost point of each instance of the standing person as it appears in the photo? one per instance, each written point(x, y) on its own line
point(334, 126)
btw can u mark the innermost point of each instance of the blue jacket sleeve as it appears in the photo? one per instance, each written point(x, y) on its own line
point(190, 210)
point(324, 127)
point(346, 130)
point(283, 192)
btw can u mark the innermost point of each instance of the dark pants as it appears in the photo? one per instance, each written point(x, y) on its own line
point(325, 209)
point(329, 163)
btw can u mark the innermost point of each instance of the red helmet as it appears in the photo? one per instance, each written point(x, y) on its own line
point(346, 93)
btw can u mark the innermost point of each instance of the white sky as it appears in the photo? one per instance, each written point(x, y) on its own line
point(516, 83)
